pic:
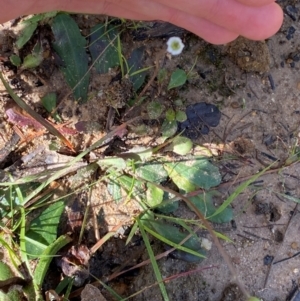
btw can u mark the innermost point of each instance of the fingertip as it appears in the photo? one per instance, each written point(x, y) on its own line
point(218, 38)
point(256, 2)
point(267, 25)
point(208, 31)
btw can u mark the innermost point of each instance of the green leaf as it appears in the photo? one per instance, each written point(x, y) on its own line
point(178, 102)
point(43, 229)
point(154, 195)
point(178, 78)
point(40, 17)
point(152, 172)
point(49, 102)
point(9, 199)
point(30, 26)
point(167, 206)
point(172, 235)
point(31, 61)
point(154, 109)
point(181, 145)
point(195, 173)
point(26, 34)
point(205, 203)
point(15, 60)
point(13, 294)
point(169, 128)
point(129, 184)
point(34, 59)
point(170, 115)
point(117, 163)
point(142, 152)
point(5, 272)
point(46, 258)
point(70, 47)
point(135, 64)
point(103, 47)
point(114, 189)
point(154, 263)
point(240, 189)
point(181, 116)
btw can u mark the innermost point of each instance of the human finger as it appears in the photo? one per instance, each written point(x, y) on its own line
point(256, 2)
point(154, 11)
point(210, 32)
point(255, 23)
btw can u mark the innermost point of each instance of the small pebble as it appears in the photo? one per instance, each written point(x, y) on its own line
point(235, 105)
point(296, 57)
point(292, 12)
point(294, 246)
point(268, 259)
point(290, 33)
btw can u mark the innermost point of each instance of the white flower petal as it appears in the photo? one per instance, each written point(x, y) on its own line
point(175, 45)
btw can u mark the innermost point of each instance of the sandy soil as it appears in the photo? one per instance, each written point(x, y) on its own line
point(256, 86)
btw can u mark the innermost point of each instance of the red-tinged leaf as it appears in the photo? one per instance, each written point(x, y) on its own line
point(21, 120)
point(23, 105)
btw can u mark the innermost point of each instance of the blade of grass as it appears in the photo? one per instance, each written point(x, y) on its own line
point(22, 230)
point(239, 190)
point(109, 289)
point(32, 289)
point(68, 291)
point(120, 55)
point(13, 256)
point(288, 197)
point(132, 232)
point(63, 284)
point(183, 223)
point(153, 262)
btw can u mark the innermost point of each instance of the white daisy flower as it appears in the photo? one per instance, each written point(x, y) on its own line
point(175, 45)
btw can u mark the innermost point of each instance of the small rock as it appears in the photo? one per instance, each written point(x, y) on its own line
point(268, 259)
point(91, 293)
point(294, 246)
point(290, 33)
point(292, 12)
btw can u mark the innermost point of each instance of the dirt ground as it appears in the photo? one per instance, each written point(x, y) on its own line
point(256, 86)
